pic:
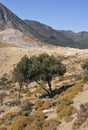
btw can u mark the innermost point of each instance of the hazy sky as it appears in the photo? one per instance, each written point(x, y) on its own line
point(60, 14)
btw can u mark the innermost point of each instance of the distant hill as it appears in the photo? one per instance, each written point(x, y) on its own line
point(47, 34)
point(58, 37)
point(13, 30)
point(33, 34)
point(80, 38)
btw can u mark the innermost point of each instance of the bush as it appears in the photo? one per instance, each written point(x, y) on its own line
point(39, 104)
point(82, 116)
point(85, 78)
point(26, 105)
point(51, 124)
point(85, 68)
point(10, 115)
point(20, 123)
point(64, 111)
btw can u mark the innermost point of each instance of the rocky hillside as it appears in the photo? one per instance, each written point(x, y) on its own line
point(8, 20)
point(59, 37)
point(49, 35)
point(80, 38)
point(32, 111)
point(72, 57)
point(15, 37)
point(20, 34)
point(37, 33)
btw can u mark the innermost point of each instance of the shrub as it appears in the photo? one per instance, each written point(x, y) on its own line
point(26, 105)
point(67, 111)
point(78, 78)
point(85, 78)
point(82, 116)
point(39, 104)
point(20, 123)
point(10, 115)
point(35, 122)
point(51, 124)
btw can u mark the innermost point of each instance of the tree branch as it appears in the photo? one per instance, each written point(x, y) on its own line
point(43, 87)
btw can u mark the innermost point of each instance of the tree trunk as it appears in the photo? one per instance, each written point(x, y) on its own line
point(49, 85)
point(1, 100)
point(19, 94)
point(43, 87)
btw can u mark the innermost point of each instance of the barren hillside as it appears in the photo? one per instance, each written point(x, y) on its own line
point(9, 56)
point(62, 109)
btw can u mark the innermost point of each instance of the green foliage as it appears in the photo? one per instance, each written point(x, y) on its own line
point(85, 78)
point(34, 69)
point(4, 81)
point(43, 67)
point(79, 77)
point(26, 105)
point(85, 65)
point(50, 67)
point(85, 68)
point(20, 72)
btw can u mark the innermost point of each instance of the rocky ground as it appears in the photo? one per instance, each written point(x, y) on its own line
point(9, 56)
point(78, 93)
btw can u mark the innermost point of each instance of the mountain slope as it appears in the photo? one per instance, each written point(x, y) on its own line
point(81, 38)
point(15, 37)
point(36, 31)
point(9, 20)
point(48, 34)
point(21, 34)
point(32, 33)
point(58, 37)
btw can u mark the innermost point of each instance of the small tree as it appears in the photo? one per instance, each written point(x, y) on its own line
point(20, 73)
point(85, 68)
point(4, 81)
point(45, 67)
point(2, 96)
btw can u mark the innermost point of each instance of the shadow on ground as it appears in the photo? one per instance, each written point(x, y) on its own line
point(57, 91)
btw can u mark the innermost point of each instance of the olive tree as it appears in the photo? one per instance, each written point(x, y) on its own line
point(20, 72)
point(45, 68)
point(38, 68)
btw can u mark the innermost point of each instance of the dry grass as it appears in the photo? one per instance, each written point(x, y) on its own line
point(39, 104)
point(73, 91)
point(65, 109)
point(3, 128)
point(82, 116)
point(51, 124)
point(19, 123)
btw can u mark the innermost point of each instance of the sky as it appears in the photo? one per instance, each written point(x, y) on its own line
point(59, 14)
